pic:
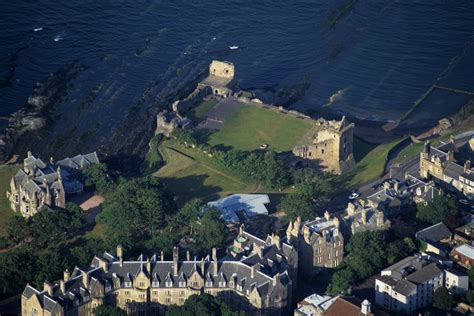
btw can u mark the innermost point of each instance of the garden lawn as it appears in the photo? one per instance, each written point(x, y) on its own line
point(371, 167)
point(6, 173)
point(190, 174)
point(199, 112)
point(249, 126)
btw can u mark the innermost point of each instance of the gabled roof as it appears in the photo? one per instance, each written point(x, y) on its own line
point(434, 233)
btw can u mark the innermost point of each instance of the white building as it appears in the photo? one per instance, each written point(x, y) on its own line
point(314, 305)
point(408, 285)
point(238, 207)
point(456, 281)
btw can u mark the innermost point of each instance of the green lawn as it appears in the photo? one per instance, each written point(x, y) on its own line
point(6, 173)
point(189, 174)
point(371, 167)
point(249, 126)
point(198, 113)
point(414, 149)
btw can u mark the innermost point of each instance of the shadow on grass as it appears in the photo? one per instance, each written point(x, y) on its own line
point(189, 187)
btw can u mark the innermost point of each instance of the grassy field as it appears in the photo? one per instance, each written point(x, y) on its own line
point(371, 167)
point(189, 174)
point(197, 113)
point(6, 172)
point(249, 126)
point(414, 149)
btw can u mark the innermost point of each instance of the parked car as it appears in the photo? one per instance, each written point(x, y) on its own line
point(353, 195)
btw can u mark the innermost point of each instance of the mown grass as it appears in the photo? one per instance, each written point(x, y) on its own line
point(249, 126)
point(199, 112)
point(414, 149)
point(190, 174)
point(371, 167)
point(6, 173)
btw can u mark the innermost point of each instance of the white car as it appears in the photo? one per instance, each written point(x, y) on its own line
point(353, 196)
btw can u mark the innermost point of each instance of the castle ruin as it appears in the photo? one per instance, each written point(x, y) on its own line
point(331, 143)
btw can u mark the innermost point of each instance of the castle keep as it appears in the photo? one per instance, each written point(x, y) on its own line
point(331, 143)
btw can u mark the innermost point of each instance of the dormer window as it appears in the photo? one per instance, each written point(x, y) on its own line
point(222, 284)
point(155, 284)
point(108, 288)
point(128, 284)
point(169, 284)
point(182, 284)
point(209, 283)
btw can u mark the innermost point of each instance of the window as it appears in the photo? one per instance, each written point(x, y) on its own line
point(221, 284)
point(141, 296)
point(181, 293)
point(182, 284)
point(17, 199)
point(127, 293)
point(128, 284)
point(141, 284)
point(168, 300)
point(34, 312)
point(209, 284)
point(169, 284)
point(155, 284)
point(181, 300)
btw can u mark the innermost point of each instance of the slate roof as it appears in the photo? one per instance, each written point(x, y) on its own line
point(434, 233)
point(79, 161)
point(425, 274)
point(250, 204)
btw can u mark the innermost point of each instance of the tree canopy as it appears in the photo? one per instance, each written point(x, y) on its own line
point(442, 299)
point(440, 209)
point(136, 207)
point(204, 304)
point(107, 310)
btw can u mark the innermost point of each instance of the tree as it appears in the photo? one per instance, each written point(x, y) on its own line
point(470, 297)
point(341, 280)
point(189, 213)
point(136, 208)
point(96, 175)
point(470, 274)
point(366, 253)
point(297, 204)
point(106, 310)
point(442, 299)
point(440, 209)
point(210, 232)
point(204, 304)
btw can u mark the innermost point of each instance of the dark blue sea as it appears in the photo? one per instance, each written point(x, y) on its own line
point(371, 60)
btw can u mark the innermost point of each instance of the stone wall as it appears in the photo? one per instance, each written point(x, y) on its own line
point(222, 69)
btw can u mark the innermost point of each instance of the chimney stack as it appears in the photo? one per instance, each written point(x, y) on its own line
point(258, 250)
point(66, 275)
point(62, 287)
point(188, 256)
point(327, 216)
point(120, 253)
point(148, 265)
point(47, 287)
point(276, 240)
point(254, 269)
point(276, 279)
point(203, 266)
point(85, 279)
point(175, 260)
point(214, 261)
point(467, 165)
point(364, 216)
point(162, 256)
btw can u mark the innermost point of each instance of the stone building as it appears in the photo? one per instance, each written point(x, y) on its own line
point(258, 282)
point(360, 219)
point(319, 242)
point(221, 75)
point(331, 144)
point(41, 185)
point(441, 165)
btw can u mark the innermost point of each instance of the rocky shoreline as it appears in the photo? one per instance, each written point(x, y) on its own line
point(27, 125)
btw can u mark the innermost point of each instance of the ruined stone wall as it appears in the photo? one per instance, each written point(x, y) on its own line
point(182, 106)
point(222, 69)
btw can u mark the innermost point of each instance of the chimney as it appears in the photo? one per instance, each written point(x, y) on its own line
point(242, 229)
point(103, 264)
point(162, 256)
point(467, 165)
point(365, 307)
point(327, 216)
point(47, 287)
point(254, 269)
point(396, 186)
point(51, 161)
point(351, 208)
point(380, 218)
point(85, 280)
point(364, 216)
point(276, 279)
point(214, 261)
point(276, 240)
point(188, 256)
point(203, 266)
point(120, 253)
point(62, 287)
point(258, 250)
point(66, 275)
point(306, 233)
point(29, 154)
point(450, 155)
point(175, 260)
point(148, 265)
point(335, 221)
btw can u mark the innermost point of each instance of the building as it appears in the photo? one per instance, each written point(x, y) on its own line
point(463, 255)
point(360, 219)
point(314, 305)
point(319, 242)
point(393, 195)
point(436, 238)
point(40, 185)
point(426, 193)
point(465, 233)
point(221, 75)
point(240, 207)
point(441, 165)
point(331, 144)
point(456, 281)
point(258, 282)
point(168, 122)
point(408, 285)
point(351, 306)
